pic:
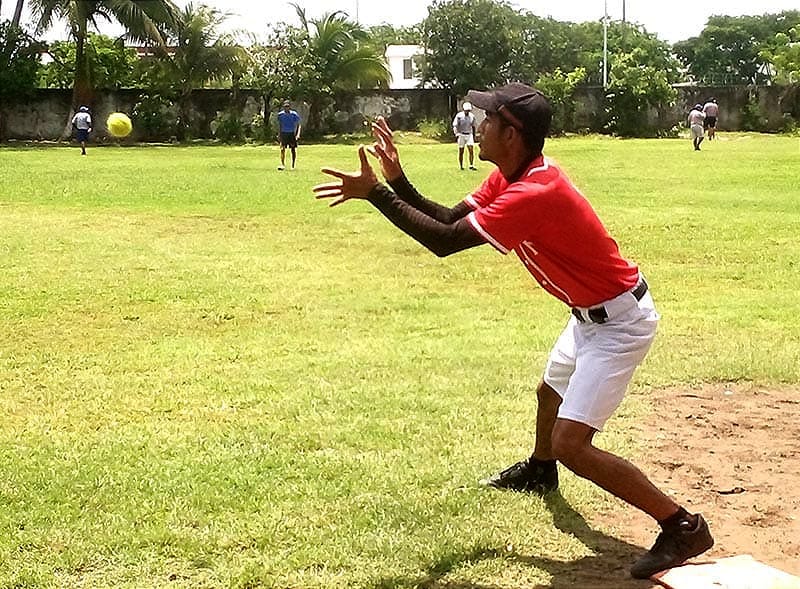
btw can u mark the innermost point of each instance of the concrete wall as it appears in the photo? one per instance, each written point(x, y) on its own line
point(44, 117)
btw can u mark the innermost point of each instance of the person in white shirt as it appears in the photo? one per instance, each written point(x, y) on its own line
point(464, 130)
point(82, 122)
point(696, 119)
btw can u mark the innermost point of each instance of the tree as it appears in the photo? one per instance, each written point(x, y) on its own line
point(635, 89)
point(19, 64)
point(641, 73)
point(381, 36)
point(729, 49)
point(17, 13)
point(144, 21)
point(559, 88)
point(201, 56)
point(469, 44)
point(281, 68)
point(785, 56)
point(343, 57)
point(545, 45)
point(110, 64)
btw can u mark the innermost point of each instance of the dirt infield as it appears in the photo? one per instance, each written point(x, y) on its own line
point(730, 451)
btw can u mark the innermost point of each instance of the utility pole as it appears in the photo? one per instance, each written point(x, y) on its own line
point(623, 11)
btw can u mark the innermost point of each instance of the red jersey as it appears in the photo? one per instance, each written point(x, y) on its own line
point(556, 233)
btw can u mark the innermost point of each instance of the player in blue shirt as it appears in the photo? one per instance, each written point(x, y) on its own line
point(289, 128)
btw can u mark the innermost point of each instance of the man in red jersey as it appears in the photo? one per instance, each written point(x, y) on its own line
point(528, 206)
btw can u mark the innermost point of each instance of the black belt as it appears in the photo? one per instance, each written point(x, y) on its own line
point(600, 315)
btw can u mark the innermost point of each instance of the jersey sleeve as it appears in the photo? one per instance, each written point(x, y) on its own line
point(487, 191)
point(511, 218)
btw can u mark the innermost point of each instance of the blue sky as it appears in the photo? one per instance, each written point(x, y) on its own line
point(671, 20)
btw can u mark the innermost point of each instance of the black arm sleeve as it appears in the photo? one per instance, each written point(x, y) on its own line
point(441, 238)
point(406, 191)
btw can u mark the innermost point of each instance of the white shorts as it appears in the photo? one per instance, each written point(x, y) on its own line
point(697, 131)
point(591, 364)
point(465, 139)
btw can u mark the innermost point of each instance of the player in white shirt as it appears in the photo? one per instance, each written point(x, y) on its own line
point(464, 130)
point(82, 122)
point(695, 120)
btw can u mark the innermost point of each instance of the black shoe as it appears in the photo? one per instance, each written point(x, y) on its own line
point(473, 168)
point(673, 547)
point(526, 477)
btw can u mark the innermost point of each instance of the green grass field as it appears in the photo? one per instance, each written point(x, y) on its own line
point(210, 379)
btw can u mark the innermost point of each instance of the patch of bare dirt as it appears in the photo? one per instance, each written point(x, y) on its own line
point(731, 452)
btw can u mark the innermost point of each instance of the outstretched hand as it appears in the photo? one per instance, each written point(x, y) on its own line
point(385, 150)
point(350, 184)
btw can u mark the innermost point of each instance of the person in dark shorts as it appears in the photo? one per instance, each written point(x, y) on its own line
point(82, 123)
point(711, 110)
point(528, 205)
point(289, 129)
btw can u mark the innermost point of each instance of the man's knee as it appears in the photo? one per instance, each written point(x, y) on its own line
point(546, 394)
point(571, 441)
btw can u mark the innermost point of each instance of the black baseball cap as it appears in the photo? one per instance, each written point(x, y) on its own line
point(521, 106)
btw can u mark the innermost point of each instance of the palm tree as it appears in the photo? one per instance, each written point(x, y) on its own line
point(144, 21)
point(17, 13)
point(344, 58)
point(201, 56)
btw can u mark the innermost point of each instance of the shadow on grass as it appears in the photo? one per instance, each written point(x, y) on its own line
point(606, 568)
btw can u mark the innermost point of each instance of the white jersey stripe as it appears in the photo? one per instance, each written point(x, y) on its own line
point(471, 218)
point(542, 168)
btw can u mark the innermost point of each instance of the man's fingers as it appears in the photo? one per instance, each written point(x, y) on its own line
point(380, 152)
point(327, 186)
point(384, 126)
point(329, 194)
point(381, 133)
point(335, 173)
point(338, 197)
point(362, 155)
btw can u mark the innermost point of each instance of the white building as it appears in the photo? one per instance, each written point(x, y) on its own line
point(401, 65)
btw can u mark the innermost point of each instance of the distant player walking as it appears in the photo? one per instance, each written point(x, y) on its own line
point(82, 123)
point(711, 110)
point(696, 119)
point(289, 133)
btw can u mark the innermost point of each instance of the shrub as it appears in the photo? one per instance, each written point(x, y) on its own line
point(789, 125)
point(559, 88)
point(154, 117)
point(228, 126)
point(434, 129)
point(752, 118)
